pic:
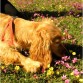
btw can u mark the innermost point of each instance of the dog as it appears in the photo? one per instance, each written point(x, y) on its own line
point(41, 39)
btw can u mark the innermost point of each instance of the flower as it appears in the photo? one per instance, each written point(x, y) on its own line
point(42, 16)
point(77, 76)
point(5, 70)
point(69, 36)
point(17, 68)
point(81, 72)
point(35, 76)
point(78, 5)
point(60, 6)
point(62, 62)
point(66, 30)
point(67, 65)
point(2, 67)
point(64, 77)
point(72, 73)
point(67, 81)
point(50, 72)
point(76, 72)
point(51, 68)
point(48, 65)
point(43, 70)
point(73, 53)
point(57, 62)
point(63, 33)
point(73, 41)
point(36, 14)
point(74, 60)
point(71, 12)
point(57, 72)
point(65, 58)
point(81, 80)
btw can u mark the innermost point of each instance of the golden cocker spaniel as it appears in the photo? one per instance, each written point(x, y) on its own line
point(41, 38)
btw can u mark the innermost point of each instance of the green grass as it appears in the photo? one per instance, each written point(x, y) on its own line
point(44, 5)
point(10, 74)
point(74, 26)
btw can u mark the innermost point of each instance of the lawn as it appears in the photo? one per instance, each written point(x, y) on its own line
point(67, 16)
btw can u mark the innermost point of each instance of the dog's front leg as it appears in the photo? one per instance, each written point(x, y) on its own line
point(9, 55)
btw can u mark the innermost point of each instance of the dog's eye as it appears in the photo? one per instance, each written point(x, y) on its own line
point(57, 40)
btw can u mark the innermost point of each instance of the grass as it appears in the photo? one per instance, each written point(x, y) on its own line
point(72, 70)
point(74, 26)
point(44, 5)
point(65, 70)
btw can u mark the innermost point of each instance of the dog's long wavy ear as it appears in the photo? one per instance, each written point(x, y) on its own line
point(40, 47)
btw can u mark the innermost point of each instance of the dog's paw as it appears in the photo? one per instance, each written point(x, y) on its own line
point(31, 66)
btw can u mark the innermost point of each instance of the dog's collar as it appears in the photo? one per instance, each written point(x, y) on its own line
point(8, 25)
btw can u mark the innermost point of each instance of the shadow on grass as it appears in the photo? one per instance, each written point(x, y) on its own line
point(75, 48)
point(72, 48)
point(69, 47)
point(30, 15)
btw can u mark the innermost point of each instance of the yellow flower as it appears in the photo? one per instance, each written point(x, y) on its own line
point(43, 8)
point(49, 72)
point(77, 76)
point(60, 6)
point(81, 80)
point(73, 53)
point(52, 72)
point(51, 68)
point(2, 67)
point(64, 33)
point(48, 65)
point(72, 73)
point(17, 67)
point(57, 72)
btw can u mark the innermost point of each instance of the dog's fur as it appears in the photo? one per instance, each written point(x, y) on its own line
point(41, 38)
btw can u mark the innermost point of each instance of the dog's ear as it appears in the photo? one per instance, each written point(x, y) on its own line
point(40, 47)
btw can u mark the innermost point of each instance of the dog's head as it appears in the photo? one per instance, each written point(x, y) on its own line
point(55, 37)
point(57, 47)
